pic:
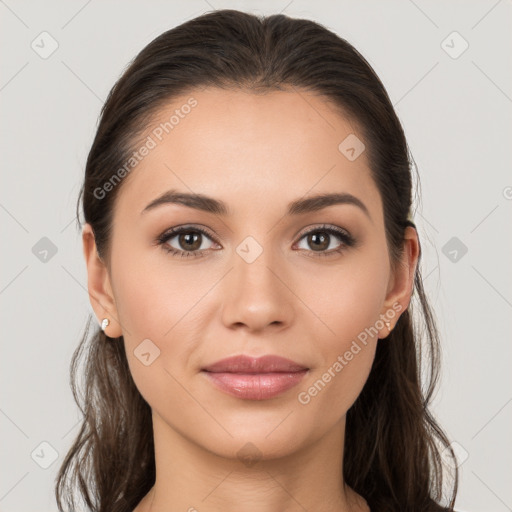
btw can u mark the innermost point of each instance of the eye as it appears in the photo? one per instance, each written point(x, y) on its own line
point(188, 243)
point(321, 238)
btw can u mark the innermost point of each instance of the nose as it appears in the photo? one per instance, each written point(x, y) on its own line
point(257, 294)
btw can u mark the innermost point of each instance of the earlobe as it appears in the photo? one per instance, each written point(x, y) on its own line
point(98, 285)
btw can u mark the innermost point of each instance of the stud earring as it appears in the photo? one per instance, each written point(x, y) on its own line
point(388, 325)
point(104, 324)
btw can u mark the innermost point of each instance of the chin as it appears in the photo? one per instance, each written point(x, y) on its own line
point(255, 439)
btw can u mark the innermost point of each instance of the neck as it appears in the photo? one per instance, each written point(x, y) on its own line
point(192, 479)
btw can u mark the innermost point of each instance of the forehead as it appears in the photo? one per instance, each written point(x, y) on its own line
point(248, 149)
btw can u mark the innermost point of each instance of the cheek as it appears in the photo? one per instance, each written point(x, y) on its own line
point(346, 358)
point(164, 304)
point(347, 298)
point(155, 296)
point(333, 389)
point(349, 302)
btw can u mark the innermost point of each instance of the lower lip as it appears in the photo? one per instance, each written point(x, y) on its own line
point(255, 386)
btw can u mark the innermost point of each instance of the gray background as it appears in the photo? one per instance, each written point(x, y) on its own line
point(456, 113)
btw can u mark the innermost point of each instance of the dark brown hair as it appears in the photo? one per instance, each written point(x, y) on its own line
point(393, 443)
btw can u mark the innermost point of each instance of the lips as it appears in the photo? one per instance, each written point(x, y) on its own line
point(246, 364)
point(252, 378)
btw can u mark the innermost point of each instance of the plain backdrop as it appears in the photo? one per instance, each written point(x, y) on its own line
point(447, 69)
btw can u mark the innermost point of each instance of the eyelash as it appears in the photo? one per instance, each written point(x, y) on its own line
point(346, 239)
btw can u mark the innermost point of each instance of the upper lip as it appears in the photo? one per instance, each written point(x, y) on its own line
point(247, 364)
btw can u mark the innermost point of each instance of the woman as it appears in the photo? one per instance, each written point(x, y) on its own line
point(251, 260)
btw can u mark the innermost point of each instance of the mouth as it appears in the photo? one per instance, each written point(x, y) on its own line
point(251, 378)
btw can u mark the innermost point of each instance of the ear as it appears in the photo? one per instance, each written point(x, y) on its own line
point(401, 283)
point(98, 283)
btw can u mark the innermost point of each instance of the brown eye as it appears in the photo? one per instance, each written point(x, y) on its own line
point(322, 238)
point(185, 241)
point(319, 240)
point(190, 241)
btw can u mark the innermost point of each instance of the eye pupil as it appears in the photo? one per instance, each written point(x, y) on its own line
point(190, 239)
point(320, 241)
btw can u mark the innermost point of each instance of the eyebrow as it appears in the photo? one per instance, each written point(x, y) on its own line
point(217, 207)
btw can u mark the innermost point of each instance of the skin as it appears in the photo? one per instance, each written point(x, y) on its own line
point(257, 153)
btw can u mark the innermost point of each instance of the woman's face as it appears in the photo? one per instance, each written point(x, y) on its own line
point(256, 284)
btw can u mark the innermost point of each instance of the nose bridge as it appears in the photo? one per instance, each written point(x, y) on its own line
point(253, 262)
point(254, 290)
